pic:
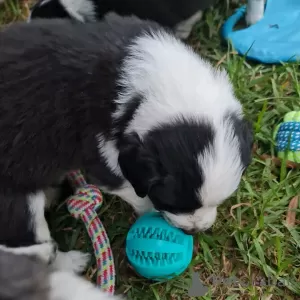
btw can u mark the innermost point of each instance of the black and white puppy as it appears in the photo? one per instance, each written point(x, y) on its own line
point(139, 111)
point(180, 15)
point(25, 276)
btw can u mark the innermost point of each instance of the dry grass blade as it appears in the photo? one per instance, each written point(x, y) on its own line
point(227, 265)
point(233, 207)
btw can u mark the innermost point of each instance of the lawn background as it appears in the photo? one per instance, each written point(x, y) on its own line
point(251, 238)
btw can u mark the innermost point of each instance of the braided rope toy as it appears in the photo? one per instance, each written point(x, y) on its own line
point(83, 205)
point(287, 137)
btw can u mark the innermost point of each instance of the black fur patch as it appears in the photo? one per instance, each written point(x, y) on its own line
point(15, 227)
point(50, 10)
point(167, 13)
point(166, 167)
point(244, 132)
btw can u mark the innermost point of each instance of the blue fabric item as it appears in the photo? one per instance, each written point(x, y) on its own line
point(288, 136)
point(274, 39)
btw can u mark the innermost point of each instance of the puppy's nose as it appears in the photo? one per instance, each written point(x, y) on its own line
point(190, 231)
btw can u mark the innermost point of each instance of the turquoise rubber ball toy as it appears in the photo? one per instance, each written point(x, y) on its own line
point(157, 250)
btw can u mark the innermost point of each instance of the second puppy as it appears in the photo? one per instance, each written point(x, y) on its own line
point(25, 276)
point(179, 15)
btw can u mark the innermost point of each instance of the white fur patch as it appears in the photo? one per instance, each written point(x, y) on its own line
point(174, 81)
point(81, 10)
point(37, 203)
point(68, 286)
point(71, 261)
point(45, 251)
point(201, 220)
point(107, 149)
point(222, 166)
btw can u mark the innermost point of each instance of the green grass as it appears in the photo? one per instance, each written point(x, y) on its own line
point(250, 238)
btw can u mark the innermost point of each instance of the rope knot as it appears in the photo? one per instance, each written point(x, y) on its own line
point(87, 197)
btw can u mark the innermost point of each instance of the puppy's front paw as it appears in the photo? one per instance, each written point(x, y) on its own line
point(79, 260)
point(72, 261)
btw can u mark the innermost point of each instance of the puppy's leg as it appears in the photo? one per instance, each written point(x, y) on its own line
point(184, 28)
point(255, 11)
point(72, 261)
point(140, 205)
point(67, 286)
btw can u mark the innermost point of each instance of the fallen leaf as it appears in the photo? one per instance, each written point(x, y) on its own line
point(291, 213)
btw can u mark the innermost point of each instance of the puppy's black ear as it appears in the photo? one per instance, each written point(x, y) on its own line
point(244, 131)
point(163, 193)
point(136, 164)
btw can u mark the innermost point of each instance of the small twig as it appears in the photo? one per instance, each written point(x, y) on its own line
point(233, 207)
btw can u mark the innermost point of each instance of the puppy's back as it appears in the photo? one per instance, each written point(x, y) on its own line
point(63, 61)
point(65, 37)
point(57, 86)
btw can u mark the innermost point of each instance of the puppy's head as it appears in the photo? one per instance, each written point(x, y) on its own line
point(79, 10)
point(187, 143)
point(188, 167)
